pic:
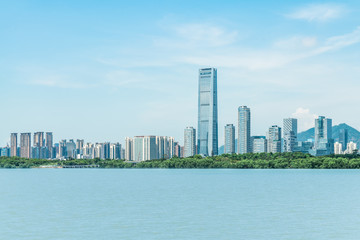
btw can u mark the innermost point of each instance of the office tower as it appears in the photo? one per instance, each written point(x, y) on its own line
point(207, 112)
point(13, 144)
point(88, 151)
point(25, 145)
point(79, 146)
point(129, 149)
point(351, 148)
point(343, 138)
point(145, 148)
point(49, 144)
point(99, 151)
point(324, 144)
point(122, 156)
point(171, 147)
point(71, 149)
point(274, 139)
point(244, 145)
point(189, 142)
point(62, 149)
point(107, 150)
point(229, 144)
point(338, 148)
point(258, 144)
point(290, 134)
point(115, 151)
point(177, 149)
point(39, 139)
point(160, 143)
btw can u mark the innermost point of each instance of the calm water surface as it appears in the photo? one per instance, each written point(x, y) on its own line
point(179, 204)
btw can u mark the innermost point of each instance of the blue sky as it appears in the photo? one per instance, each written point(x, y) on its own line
point(104, 70)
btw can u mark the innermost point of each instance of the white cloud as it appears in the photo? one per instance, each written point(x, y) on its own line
point(318, 12)
point(305, 118)
point(296, 42)
point(197, 35)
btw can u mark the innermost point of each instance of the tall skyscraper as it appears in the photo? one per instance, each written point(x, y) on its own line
point(13, 144)
point(229, 145)
point(189, 142)
point(244, 144)
point(207, 112)
point(274, 139)
point(25, 145)
point(258, 144)
point(39, 139)
point(129, 149)
point(144, 148)
point(107, 150)
point(343, 138)
point(324, 143)
point(290, 134)
point(49, 144)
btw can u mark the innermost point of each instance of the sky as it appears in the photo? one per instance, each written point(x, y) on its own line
point(105, 70)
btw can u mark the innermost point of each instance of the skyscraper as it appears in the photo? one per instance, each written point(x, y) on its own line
point(244, 145)
point(324, 144)
point(13, 144)
point(145, 148)
point(25, 145)
point(274, 139)
point(39, 139)
point(290, 134)
point(258, 144)
point(49, 144)
point(189, 142)
point(229, 144)
point(207, 112)
point(343, 138)
point(129, 149)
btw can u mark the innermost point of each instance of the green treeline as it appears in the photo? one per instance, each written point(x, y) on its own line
point(241, 161)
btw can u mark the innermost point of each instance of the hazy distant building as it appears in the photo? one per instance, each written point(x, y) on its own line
point(229, 143)
point(71, 149)
point(115, 151)
point(338, 148)
point(290, 134)
point(189, 142)
point(79, 146)
point(144, 148)
point(5, 151)
point(129, 149)
point(39, 139)
point(13, 144)
point(207, 112)
point(274, 139)
point(177, 149)
point(324, 143)
point(25, 145)
point(343, 138)
point(351, 148)
point(259, 144)
point(49, 145)
point(244, 144)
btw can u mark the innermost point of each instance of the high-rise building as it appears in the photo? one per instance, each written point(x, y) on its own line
point(129, 149)
point(189, 142)
point(351, 148)
point(274, 139)
point(207, 112)
point(39, 139)
point(229, 145)
point(49, 144)
point(343, 138)
point(244, 144)
point(107, 150)
point(177, 149)
point(258, 144)
point(338, 148)
point(115, 151)
point(290, 134)
point(13, 144)
point(71, 149)
point(324, 143)
point(79, 146)
point(25, 145)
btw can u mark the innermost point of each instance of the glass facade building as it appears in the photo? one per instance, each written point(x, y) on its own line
point(229, 146)
point(244, 143)
point(207, 112)
point(189, 142)
point(274, 139)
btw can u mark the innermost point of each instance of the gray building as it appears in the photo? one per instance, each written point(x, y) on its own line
point(344, 138)
point(258, 144)
point(229, 143)
point(274, 139)
point(244, 143)
point(324, 144)
point(25, 145)
point(290, 134)
point(49, 145)
point(189, 142)
point(129, 149)
point(13, 144)
point(207, 112)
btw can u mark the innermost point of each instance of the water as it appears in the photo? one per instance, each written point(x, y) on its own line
point(179, 204)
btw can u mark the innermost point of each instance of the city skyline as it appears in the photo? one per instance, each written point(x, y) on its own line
point(78, 68)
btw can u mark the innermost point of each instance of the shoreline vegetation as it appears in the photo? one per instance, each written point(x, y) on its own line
point(233, 161)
